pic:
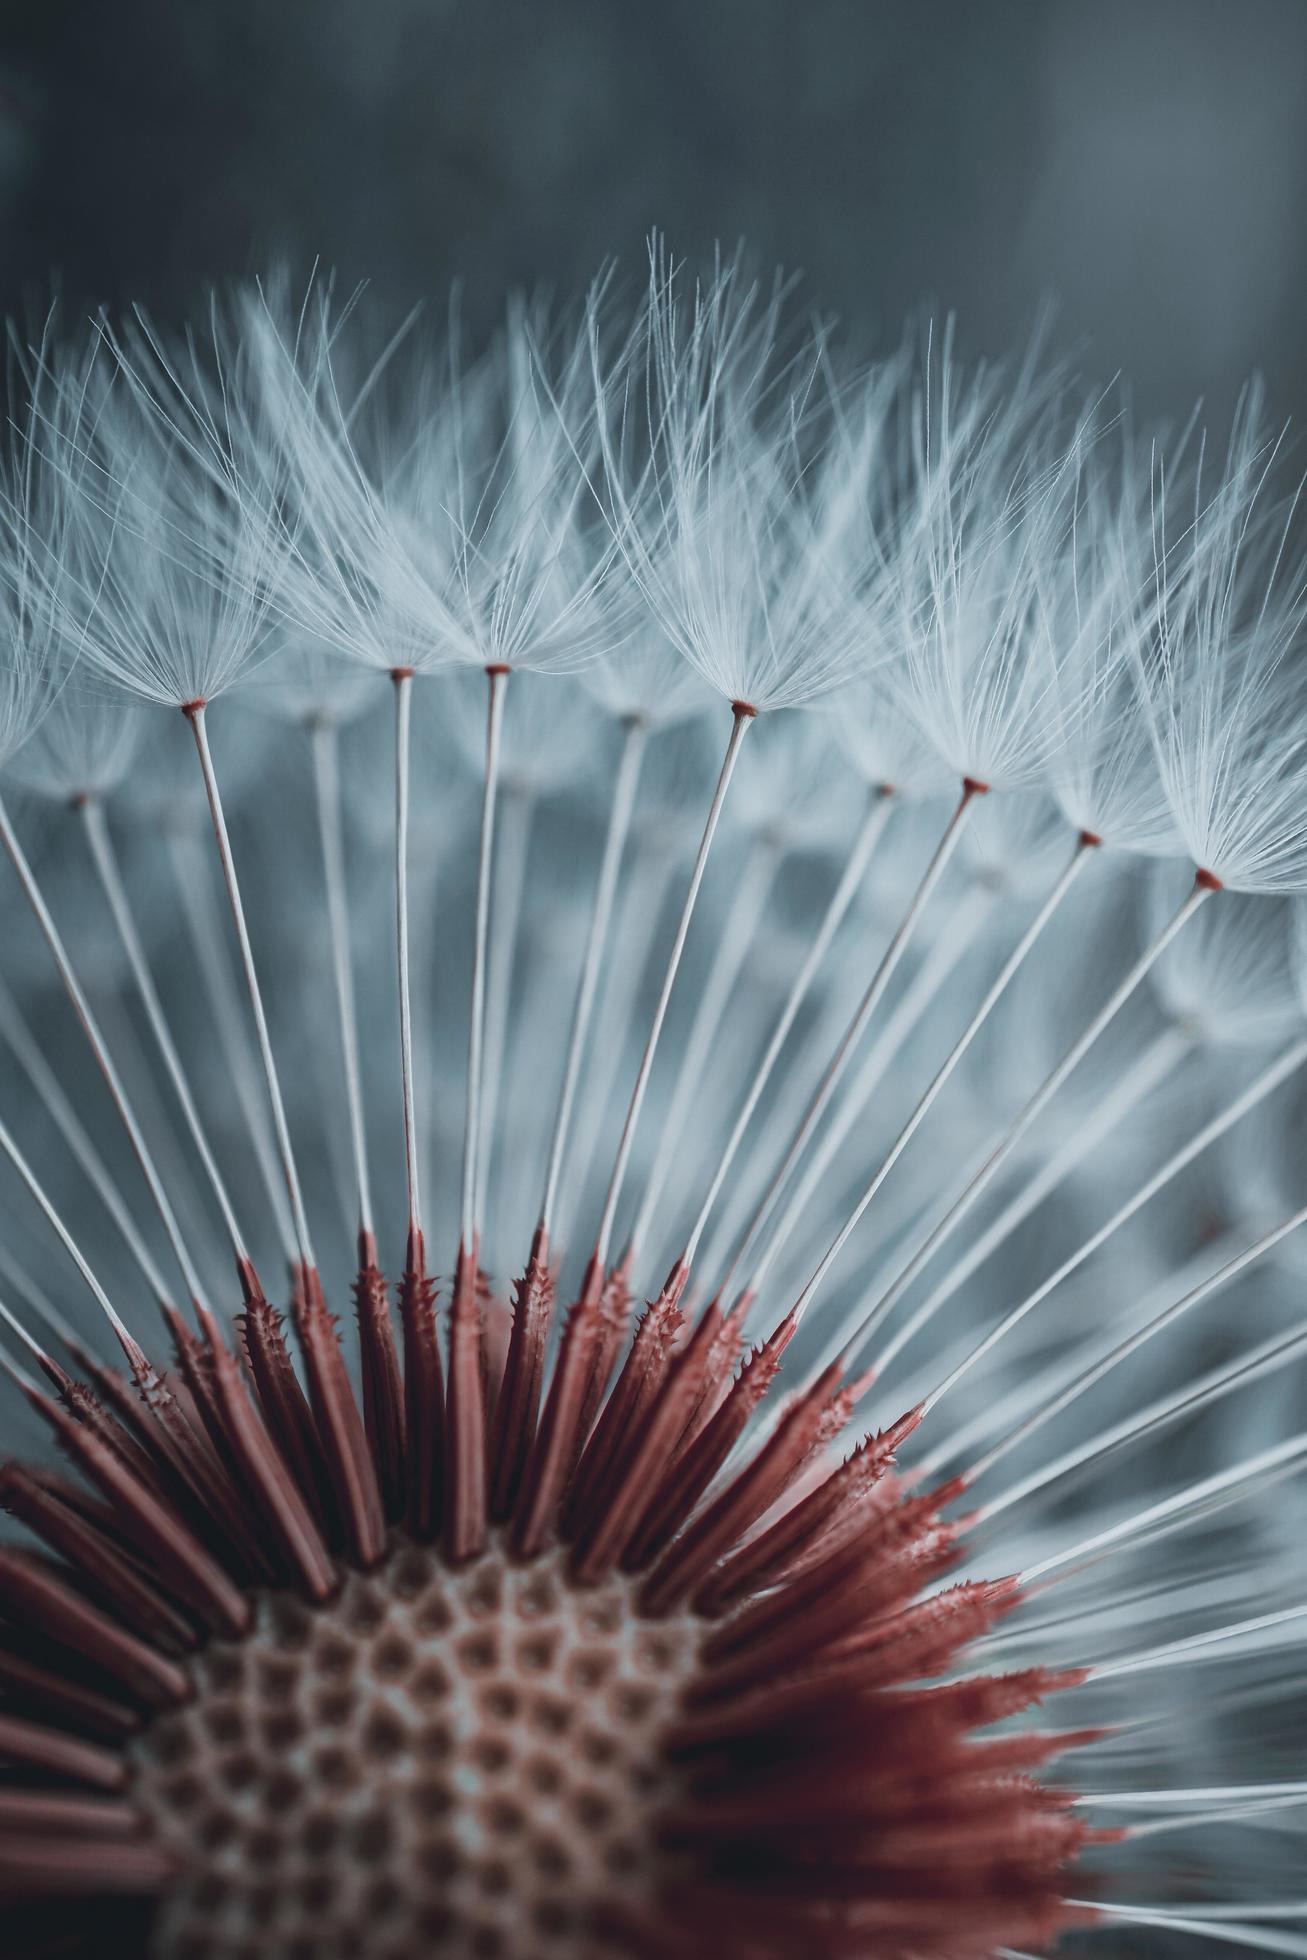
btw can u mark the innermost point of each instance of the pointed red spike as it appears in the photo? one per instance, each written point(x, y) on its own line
point(194, 1478)
point(42, 1690)
point(109, 1576)
point(694, 1471)
point(339, 1424)
point(615, 1322)
point(183, 1564)
point(691, 1386)
point(638, 1388)
point(554, 1450)
point(195, 1366)
point(64, 1815)
point(281, 1398)
point(280, 1500)
point(86, 1409)
point(465, 1417)
point(46, 1605)
point(33, 1864)
point(383, 1382)
point(798, 1432)
point(838, 1495)
point(424, 1391)
point(114, 1392)
point(518, 1402)
point(53, 1753)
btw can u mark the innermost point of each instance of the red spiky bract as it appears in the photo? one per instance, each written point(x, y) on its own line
point(741, 1662)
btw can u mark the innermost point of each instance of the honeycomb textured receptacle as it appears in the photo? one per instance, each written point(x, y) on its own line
point(464, 1757)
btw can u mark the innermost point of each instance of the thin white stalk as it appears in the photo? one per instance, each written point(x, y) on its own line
point(154, 1110)
point(835, 1068)
point(1212, 1283)
point(1270, 1909)
point(1209, 1493)
point(1230, 1695)
point(105, 860)
point(426, 974)
point(644, 901)
point(1204, 1926)
point(1026, 1387)
point(505, 923)
point(1132, 1607)
point(1011, 966)
point(204, 924)
point(1135, 1082)
point(281, 1128)
point(21, 1378)
point(28, 1054)
point(635, 736)
point(969, 916)
point(326, 781)
point(740, 721)
point(526, 1117)
point(1200, 1645)
point(1034, 1386)
point(957, 1210)
point(841, 898)
point(1257, 1091)
point(497, 679)
point(733, 943)
point(29, 1341)
point(64, 1236)
point(1211, 1387)
point(1215, 1793)
point(40, 1303)
point(1251, 1812)
point(104, 1060)
point(403, 681)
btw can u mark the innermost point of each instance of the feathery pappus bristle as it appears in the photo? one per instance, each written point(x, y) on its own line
point(653, 1017)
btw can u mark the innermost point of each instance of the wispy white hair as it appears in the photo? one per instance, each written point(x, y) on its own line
point(321, 370)
point(1232, 974)
point(173, 537)
point(441, 515)
point(886, 747)
point(646, 680)
point(1096, 599)
point(304, 681)
point(85, 746)
point(34, 523)
point(984, 485)
point(1220, 684)
point(709, 484)
point(499, 521)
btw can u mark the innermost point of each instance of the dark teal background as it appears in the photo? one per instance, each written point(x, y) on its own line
point(1142, 159)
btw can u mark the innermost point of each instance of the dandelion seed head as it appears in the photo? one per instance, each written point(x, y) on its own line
point(1218, 685)
point(884, 746)
point(627, 1330)
point(1095, 613)
point(309, 683)
point(34, 517)
point(984, 484)
point(702, 426)
point(552, 739)
point(84, 746)
point(644, 679)
point(1233, 976)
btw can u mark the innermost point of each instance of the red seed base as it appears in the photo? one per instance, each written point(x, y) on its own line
point(463, 1762)
point(753, 1734)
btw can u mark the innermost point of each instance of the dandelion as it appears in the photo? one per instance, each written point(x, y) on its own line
point(720, 1627)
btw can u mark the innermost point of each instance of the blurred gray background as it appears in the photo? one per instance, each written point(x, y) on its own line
point(1141, 160)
